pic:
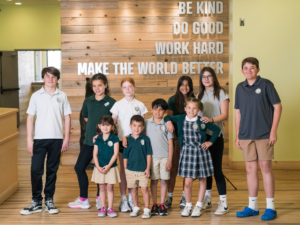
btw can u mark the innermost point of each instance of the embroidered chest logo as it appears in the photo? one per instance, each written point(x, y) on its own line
point(110, 143)
point(203, 126)
point(258, 91)
point(162, 128)
point(142, 142)
point(195, 126)
point(106, 104)
point(58, 100)
point(136, 108)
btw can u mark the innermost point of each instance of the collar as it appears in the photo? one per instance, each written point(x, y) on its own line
point(132, 138)
point(56, 92)
point(103, 99)
point(100, 137)
point(162, 122)
point(125, 100)
point(210, 91)
point(256, 83)
point(191, 120)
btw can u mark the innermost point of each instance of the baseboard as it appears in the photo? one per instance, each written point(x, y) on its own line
point(9, 191)
point(277, 165)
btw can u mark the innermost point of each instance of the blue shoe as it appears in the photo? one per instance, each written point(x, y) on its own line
point(269, 214)
point(247, 212)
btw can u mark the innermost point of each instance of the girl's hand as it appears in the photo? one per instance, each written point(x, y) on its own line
point(206, 145)
point(94, 138)
point(168, 165)
point(124, 141)
point(206, 120)
point(99, 169)
point(170, 127)
point(105, 169)
point(147, 173)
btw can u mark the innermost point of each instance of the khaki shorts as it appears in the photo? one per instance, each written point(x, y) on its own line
point(254, 149)
point(135, 179)
point(158, 169)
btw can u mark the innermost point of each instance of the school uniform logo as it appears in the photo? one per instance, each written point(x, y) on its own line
point(162, 128)
point(110, 143)
point(203, 126)
point(136, 108)
point(106, 104)
point(58, 100)
point(195, 126)
point(142, 142)
point(258, 91)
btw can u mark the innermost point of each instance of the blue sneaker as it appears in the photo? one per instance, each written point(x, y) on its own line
point(247, 212)
point(269, 214)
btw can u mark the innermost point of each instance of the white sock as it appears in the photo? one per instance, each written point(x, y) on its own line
point(208, 193)
point(188, 204)
point(199, 204)
point(129, 197)
point(183, 194)
point(124, 198)
point(223, 198)
point(253, 203)
point(170, 194)
point(270, 203)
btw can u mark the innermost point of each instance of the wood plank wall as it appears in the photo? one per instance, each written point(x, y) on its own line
point(126, 31)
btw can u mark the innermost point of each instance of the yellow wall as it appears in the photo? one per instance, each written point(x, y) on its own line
point(29, 27)
point(271, 34)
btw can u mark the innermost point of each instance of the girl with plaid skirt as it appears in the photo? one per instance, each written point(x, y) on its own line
point(195, 161)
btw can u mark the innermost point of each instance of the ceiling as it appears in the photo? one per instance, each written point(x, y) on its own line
point(30, 2)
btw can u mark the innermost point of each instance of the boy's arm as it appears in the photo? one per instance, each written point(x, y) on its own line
point(125, 157)
point(276, 119)
point(171, 147)
point(170, 126)
point(30, 119)
point(237, 128)
point(147, 172)
point(125, 161)
point(65, 145)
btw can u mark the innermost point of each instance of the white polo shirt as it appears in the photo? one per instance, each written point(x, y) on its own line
point(49, 111)
point(125, 110)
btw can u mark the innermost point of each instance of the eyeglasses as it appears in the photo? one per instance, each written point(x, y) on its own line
point(206, 77)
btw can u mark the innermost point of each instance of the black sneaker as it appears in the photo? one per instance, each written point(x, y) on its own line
point(182, 202)
point(50, 207)
point(168, 202)
point(162, 210)
point(154, 210)
point(35, 206)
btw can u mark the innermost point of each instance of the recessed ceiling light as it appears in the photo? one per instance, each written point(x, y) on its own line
point(9, 0)
point(18, 3)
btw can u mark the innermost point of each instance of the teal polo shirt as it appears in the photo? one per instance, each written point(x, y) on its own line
point(106, 149)
point(136, 153)
point(94, 110)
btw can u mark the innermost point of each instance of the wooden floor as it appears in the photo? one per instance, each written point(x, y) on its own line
point(287, 200)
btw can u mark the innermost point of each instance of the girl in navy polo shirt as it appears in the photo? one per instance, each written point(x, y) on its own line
point(106, 173)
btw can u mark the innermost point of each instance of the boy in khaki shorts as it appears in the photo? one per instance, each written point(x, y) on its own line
point(162, 145)
point(258, 110)
point(137, 161)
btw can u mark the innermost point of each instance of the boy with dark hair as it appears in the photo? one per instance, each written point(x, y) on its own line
point(258, 110)
point(50, 105)
point(137, 162)
point(162, 145)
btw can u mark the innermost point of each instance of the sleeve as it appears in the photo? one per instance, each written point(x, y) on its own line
point(216, 131)
point(85, 113)
point(169, 135)
point(125, 153)
point(149, 147)
point(236, 106)
point(116, 139)
point(174, 119)
point(114, 109)
point(143, 109)
point(67, 107)
point(171, 104)
point(32, 106)
point(223, 96)
point(272, 93)
point(112, 103)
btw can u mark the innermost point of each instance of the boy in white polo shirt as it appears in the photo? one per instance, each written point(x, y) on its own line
point(50, 105)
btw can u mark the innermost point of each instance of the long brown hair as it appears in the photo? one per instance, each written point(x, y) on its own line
point(179, 98)
point(107, 119)
point(102, 77)
point(217, 86)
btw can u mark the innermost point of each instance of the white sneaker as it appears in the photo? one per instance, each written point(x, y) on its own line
point(186, 211)
point(135, 212)
point(197, 211)
point(147, 214)
point(131, 205)
point(222, 210)
point(78, 204)
point(124, 207)
point(206, 202)
point(98, 203)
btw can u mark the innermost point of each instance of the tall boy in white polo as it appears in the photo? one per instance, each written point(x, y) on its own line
point(50, 105)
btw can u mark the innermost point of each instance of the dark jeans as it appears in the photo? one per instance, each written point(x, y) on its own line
point(84, 158)
point(216, 151)
point(41, 148)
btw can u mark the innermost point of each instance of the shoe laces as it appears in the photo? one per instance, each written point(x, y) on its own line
point(162, 206)
point(186, 208)
point(206, 199)
point(103, 209)
point(220, 205)
point(111, 210)
point(32, 205)
point(197, 208)
point(50, 204)
point(168, 200)
point(154, 207)
point(182, 198)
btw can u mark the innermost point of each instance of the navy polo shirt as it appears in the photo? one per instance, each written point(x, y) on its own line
point(255, 103)
point(136, 153)
point(106, 149)
point(94, 110)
